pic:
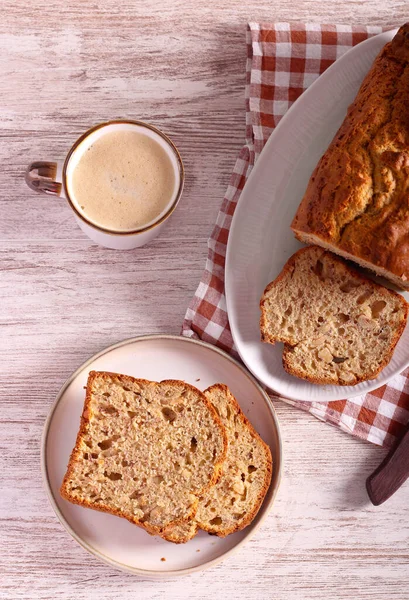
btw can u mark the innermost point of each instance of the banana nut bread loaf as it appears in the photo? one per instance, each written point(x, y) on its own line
point(357, 201)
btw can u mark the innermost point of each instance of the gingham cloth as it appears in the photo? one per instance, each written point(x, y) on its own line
point(282, 61)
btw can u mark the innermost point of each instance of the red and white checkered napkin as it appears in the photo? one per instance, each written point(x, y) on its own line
point(283, 60)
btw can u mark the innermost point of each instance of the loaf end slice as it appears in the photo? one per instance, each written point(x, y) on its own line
point(338, 327)
point(145, 451)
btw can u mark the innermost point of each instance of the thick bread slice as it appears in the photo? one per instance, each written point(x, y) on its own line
point(145, 451)
point(234, 501)
point(338, 326)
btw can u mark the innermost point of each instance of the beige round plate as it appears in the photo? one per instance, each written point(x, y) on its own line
point(115, 540)
point(260, 239)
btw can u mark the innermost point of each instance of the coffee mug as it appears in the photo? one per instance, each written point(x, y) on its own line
point(155, 184)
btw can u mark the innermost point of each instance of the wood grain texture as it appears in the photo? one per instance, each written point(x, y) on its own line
point(180, 65)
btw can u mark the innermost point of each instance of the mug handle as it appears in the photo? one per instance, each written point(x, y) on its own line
point(41, 176)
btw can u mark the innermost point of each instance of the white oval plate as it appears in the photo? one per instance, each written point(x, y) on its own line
point(260, 239)
point(115, 540)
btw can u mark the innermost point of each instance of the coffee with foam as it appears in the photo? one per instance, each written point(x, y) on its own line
point(123, 177)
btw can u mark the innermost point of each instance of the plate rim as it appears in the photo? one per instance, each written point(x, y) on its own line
point(154, 574)
point(343, 393)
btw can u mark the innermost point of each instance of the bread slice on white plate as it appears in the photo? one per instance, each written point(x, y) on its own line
point(233, 502)
point(145, 451)
point(338, 327)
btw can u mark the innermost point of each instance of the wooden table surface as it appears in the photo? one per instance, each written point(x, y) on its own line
point(66, 65)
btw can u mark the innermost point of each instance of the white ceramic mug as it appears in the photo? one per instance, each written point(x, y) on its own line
point(52, 178)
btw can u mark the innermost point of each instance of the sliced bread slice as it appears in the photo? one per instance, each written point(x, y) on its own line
point(145, 451)
point(234, 501)
point(338, 326)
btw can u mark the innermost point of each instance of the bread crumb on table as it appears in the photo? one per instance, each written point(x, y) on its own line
point(163, 559)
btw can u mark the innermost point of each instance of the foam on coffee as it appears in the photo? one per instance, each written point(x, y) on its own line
point(123, 177)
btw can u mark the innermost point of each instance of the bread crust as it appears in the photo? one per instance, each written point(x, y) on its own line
point(357, 200)
point(288, 345)
point(83, 430)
